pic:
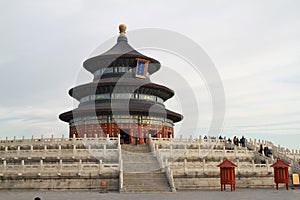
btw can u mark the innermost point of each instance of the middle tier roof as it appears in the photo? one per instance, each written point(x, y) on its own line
point(102, 87)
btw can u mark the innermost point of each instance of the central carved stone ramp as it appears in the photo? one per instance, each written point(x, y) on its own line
point(141, 171)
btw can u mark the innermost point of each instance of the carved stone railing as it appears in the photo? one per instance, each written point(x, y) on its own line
point(57, 141)
point(206, 167)
point(173, 154)
point(58, 169)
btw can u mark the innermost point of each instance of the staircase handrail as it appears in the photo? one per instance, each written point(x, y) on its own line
point(170, 177)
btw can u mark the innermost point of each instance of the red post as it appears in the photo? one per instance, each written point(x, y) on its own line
point(281, 173)
point(227, 174)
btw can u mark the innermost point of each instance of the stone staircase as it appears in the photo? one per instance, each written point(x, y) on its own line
point(141, 170)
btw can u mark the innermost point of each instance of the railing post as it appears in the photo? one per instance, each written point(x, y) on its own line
point(41, 166)
point(253, 166)
point(60, 166)
point(22, 166)
point(4, 166)
point(204, 165)
point(18, 151)
point(45, 151)
point(185, 167)
point(74, 150)
point(59, 150)
point(79, 167)
point(100, 167)
point(104, 150)
point(73, 138)
point(119, 140)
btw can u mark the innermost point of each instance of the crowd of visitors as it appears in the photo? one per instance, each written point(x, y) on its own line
point(235, 141)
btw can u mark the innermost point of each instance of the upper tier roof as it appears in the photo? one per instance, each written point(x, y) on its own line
point(120, 53)
point(122, 87)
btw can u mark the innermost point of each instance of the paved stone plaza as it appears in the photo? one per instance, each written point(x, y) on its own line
point(240, 194)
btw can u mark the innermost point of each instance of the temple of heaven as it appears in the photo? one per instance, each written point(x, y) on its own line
point(121, 99)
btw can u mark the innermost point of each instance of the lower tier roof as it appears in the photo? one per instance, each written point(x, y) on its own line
point(122, 108)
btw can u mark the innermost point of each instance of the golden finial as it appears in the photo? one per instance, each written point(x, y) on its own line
point(122, 28)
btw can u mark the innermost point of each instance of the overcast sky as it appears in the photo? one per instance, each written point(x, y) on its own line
point(254, 45)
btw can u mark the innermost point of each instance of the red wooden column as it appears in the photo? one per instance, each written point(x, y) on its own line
point(140, 134)
point(281, 173)
point(227, 174)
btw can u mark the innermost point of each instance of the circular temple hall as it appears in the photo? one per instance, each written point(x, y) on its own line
point(121, 99)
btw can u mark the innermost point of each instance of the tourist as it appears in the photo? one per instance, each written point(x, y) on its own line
point(243, 141)
point(267, 151)
point(220, 137)
point(229, 140)
point(37, 198)
point(260, 149)
point(205, 137)
point(235, 140)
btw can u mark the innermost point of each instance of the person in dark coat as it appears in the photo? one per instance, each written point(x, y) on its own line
point(260, 149)
point(243, 141)
point(267, 151)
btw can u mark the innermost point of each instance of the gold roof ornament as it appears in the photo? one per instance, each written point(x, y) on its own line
point(122, 28)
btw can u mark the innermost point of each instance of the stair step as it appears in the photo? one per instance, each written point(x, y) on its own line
point(142, 171)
